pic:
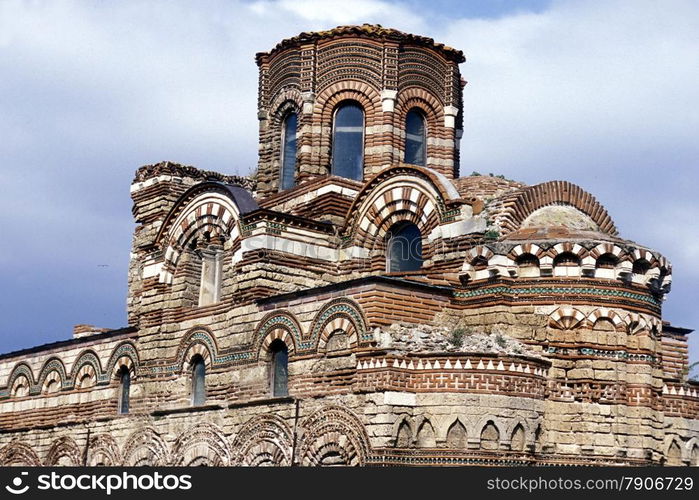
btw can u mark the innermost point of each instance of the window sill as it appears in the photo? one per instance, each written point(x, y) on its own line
point(262, 402)
point(186, 409)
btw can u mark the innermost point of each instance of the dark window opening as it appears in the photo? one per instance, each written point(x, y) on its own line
point(566, 259)
point(641, 266)
point(415, 140)
point(280, 369)
point(288, 159)
point(606, 261)
point(348, 141)
point(527, 260)
point(124, 389)
point(404, 248)
point(479, 263)
point(198, 381)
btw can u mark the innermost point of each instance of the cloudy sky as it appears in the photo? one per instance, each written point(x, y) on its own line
point(601, 93)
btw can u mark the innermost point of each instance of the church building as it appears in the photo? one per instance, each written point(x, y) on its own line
point(357, 302)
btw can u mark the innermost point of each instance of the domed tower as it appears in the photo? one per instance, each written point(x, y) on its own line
point(351, 101)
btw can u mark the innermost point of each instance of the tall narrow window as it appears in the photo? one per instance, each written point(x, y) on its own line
point(289, 151)
point(210, 287)
point(415, 150)
point(124, 389)
point(348, 141)
point(404, 247)
point(198, 381)
point(280, 368)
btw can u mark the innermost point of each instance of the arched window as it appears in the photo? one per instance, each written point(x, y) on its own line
point(348, 141)
point(404, 248)
point(527, 265)
point(288, 159)
point(605, 266)
point(415, 140)
point(280, 369)
point(641, 267)
point(198, 381)
point(566, 264)
point(124, 389)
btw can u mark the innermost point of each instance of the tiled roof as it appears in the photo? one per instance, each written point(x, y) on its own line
point(375, 31)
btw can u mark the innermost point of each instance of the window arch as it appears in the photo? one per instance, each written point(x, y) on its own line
point(124, 389)
point(566, 264)
point(404, 248)
point(198, 381)
point(288, 152)
point(348, 141)
point(527, 265)
point(279, 373)
point(415, 138)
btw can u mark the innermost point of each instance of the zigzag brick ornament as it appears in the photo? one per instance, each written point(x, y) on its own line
point(356, 302)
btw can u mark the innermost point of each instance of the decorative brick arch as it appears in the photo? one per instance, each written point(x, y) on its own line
point(338, 315)
point(287, 99)
point(53, 370)
point(64, 451)
point(199, 340)
point(202, 444)
point(264, 440)
point(21, 369)
point(568, 247)
point(636, 324)
point(104, 451)
point(125, 354)
point(406, 192)
point(480, 251)
point(516, 207)
point(333, 431)
point(324, 108)
point(607, 248)
point(566, 318)
point(435, 131)
point(210, 207)
point(145, 447)
point(18, 454)
point(87, 363)
point(525, 248)
point(606, 314)
point(280, 325)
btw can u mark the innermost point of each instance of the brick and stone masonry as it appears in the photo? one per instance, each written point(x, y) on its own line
point(271, 326)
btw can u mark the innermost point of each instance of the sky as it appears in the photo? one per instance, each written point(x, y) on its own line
point(601, 93)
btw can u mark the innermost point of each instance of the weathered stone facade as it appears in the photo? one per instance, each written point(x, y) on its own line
point(530, 333)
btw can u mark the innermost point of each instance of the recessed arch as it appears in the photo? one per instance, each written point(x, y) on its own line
point(202, 444)
point(103, 451)
point(415, 194)
point(339, 315)
point(277, 325)
point(64, 451)
point(21, 369)
point(212, 208)
point(333, 435)
point(145, 447)
point(86, 364)
point(17, 453)
point(53, 371)
point(517, 206)
point(263, 440)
